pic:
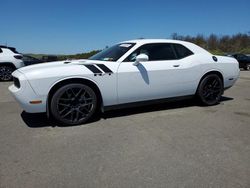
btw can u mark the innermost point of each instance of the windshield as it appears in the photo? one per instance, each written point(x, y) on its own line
point(113, 53)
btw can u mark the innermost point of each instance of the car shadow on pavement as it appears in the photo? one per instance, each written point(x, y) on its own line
point(156, 107)
point(223, 98)
point(36, 120)
point(39, 120)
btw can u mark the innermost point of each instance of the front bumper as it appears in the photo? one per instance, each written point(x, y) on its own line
point(25, 94)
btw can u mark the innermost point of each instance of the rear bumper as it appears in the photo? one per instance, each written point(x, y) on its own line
point(230, 80)
point(25, 94)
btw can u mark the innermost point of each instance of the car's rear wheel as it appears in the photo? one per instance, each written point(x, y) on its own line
point(5, 73)
point(210, 90)
point(73, 104)
point(247, 67)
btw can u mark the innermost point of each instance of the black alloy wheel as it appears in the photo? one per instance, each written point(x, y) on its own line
point(5, 73)
point(210, 90)
point(247, 67)
point(73, 104)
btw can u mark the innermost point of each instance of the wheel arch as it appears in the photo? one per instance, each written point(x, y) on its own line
point(63, 82)
point(211, 72)
point(8, 64)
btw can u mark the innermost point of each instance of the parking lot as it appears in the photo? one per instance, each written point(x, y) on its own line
point(176, 144)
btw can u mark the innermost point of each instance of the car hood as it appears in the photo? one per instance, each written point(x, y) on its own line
point(55, 64)
point(59, 69)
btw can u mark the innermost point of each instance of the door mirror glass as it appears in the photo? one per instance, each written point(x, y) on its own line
point(141, 58)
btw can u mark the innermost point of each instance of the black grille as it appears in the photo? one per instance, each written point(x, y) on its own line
point(16, 82)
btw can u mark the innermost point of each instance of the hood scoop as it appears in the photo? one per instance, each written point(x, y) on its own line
point(73, 61)
point(68, 61)
point(82, 61)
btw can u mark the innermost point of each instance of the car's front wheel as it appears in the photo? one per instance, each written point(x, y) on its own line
point(210, 90)
point(5, 73)
point(247, 67)
point(73, 104)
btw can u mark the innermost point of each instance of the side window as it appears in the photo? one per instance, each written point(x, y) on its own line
point(155, 52)
point(182, 51)
point(1, 50)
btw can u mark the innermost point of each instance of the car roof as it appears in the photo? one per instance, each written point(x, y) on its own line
point(238, 54)
point(10, 48)
point(191, 46)
point(146, 41)
point(3, 46)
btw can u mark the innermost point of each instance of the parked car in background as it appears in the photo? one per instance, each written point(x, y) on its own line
point(129, 73)
point(49, 58)
point(29, 60)
point(244, 61)
point(10, 60)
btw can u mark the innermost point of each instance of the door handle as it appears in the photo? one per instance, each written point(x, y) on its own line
point(176, 65)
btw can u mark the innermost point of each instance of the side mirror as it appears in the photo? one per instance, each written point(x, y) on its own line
point(140, 58)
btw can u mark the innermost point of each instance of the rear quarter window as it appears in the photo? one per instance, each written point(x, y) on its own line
point(182, 51)
point(1, 50)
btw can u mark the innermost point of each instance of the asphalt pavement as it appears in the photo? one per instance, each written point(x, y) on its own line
point(178, 144)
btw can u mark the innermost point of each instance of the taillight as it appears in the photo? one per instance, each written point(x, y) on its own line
point(16, 82)
point(18, 56)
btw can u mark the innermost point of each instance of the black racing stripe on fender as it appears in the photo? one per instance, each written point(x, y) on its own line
point(93, 69)
point(104, 68)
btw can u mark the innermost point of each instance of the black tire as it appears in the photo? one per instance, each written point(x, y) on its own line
point(73, 104)
point(247, 67)
point(5, 73)
point(210, 90)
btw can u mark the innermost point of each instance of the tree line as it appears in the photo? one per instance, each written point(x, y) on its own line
point(216, 44)
point(219, 44)
point(79, 56)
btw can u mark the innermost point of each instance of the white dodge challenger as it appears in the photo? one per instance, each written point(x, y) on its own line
point(129, 73)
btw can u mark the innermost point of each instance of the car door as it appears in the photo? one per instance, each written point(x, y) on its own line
point(165, 75)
